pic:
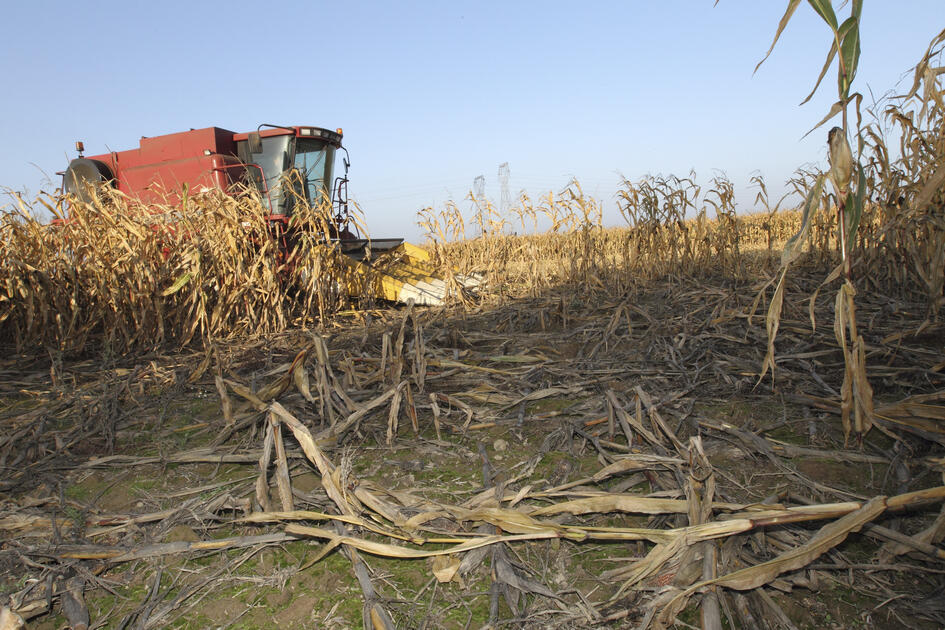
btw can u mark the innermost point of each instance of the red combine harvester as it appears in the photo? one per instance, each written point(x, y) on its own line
point(285, 165)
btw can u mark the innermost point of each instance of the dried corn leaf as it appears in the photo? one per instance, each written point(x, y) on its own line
point(283, 482)
point(317, 457)
point(262, 482)
point(395, 551)
point(225, 402)
point(308, 515)
point(247, 393)
point(9, 620)
point(300, 377)
point(828, 537)
point(516, 522)
point(615, 503)
point(445, 568)
point(546, 392)
point(635, 461)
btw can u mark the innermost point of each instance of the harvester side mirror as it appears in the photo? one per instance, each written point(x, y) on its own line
point(255, 142)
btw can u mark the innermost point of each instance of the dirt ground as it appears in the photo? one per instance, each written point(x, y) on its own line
point(119, 474)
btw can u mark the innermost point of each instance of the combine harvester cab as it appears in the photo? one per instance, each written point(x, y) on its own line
point(285, 165)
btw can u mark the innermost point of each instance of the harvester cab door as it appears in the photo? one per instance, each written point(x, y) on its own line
point(273, 162)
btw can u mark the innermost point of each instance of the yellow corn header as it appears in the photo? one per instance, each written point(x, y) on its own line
point(405, 273)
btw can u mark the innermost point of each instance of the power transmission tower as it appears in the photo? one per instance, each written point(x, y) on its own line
point(479, 187)
point(505, 195)
point(479, 197)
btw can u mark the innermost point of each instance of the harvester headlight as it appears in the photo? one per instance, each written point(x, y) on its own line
point(306, 131)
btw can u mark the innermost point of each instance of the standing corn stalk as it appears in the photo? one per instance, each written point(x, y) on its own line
point(856, 393)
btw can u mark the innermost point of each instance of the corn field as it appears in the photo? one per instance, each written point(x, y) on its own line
point(119, 277)
point(658, 240)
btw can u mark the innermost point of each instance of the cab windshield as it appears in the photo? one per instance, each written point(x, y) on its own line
point(291, 169)
point(313, 168)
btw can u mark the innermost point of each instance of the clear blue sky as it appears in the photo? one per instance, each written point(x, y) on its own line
point(432, 94)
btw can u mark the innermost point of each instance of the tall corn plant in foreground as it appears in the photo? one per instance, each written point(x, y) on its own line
point(856, 393)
